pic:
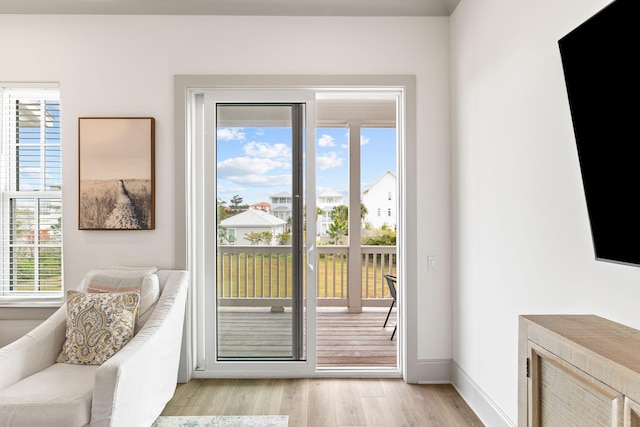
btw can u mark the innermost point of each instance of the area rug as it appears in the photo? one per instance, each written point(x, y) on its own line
point(223, 421)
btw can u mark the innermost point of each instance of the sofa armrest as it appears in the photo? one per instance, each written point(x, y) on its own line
point(133, 387)
point(34, 351)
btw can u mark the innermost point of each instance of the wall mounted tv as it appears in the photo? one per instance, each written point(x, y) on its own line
point(599, 60)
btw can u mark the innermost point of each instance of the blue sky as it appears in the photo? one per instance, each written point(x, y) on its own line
point(256, 162)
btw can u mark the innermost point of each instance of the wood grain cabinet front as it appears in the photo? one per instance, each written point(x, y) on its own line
point(578, 370)
point(631, 413)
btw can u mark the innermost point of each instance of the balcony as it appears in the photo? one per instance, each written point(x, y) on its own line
point(253, 279)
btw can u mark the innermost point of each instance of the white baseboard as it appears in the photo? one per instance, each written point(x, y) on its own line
point(477, 399)
point(434, 371)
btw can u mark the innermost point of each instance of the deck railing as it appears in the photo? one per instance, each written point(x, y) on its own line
point(261, 275)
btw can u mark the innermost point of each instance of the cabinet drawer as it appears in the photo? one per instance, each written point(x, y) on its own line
point(561, 395)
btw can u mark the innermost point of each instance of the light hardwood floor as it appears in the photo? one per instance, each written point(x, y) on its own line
point(327, 402)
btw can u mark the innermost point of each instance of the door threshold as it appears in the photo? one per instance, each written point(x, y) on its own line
point(357, 372)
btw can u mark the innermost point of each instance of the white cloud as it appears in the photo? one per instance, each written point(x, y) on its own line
point(326, 141)
point(267, 151)
point(262, 180)
point(328, 161)
point(230, 134)
point(364, 140)
point(243, 166)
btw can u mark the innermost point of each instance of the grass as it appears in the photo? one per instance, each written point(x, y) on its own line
point(47, 284)
point(98, 198)
point(258, 276)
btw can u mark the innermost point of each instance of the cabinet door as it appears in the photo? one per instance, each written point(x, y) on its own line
point(561, 395)
point(631, 413)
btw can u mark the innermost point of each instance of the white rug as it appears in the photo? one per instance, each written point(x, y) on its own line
point(223, 421)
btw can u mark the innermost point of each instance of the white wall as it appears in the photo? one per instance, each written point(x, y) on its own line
point(124, 66)
point(522, 243)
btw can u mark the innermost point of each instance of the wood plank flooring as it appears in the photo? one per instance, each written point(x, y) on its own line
point(327, 402)
point(356, 340)
point(343, 339)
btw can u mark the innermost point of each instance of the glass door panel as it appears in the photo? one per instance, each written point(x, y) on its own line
point(259, 231)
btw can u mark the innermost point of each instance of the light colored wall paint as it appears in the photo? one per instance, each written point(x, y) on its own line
point(15, 322)
point(521, 236)
point(124, 66)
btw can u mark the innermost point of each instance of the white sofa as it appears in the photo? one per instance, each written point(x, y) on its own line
point(128, 390)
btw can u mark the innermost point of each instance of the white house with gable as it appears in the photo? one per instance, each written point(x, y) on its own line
point(249, 221)
point(381, 202)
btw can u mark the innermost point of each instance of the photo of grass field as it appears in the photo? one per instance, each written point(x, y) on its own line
point(103, 205)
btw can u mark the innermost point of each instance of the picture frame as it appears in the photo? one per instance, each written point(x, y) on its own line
point(116, 173)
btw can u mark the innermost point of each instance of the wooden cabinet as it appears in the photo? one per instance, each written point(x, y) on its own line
point(577, 370)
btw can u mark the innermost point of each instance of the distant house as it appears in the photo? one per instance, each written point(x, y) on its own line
point(381, 202)
point(326, 201)
point(252, 221)
point(281, 205)
point(262, 206)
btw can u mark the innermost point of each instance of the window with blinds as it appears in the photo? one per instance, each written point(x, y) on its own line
point(31, 187)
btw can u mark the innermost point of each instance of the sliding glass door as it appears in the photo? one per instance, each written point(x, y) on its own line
point(259, 296)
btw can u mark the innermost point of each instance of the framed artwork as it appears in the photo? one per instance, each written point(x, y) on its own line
point(116, 173)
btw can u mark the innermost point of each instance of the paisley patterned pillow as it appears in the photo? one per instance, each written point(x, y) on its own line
point(98, 326)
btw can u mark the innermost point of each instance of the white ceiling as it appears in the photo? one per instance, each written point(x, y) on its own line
point(234, 7)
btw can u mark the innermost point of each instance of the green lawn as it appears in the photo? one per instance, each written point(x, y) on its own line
point(255, 270)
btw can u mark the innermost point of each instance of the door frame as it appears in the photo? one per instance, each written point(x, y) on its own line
point(184, 88)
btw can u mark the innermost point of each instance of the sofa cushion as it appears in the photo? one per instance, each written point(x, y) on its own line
point(57, 396)
point(98, 326)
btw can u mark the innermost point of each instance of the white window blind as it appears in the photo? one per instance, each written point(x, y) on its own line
point(31, 187)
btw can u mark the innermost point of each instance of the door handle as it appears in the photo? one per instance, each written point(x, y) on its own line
point(310, 264)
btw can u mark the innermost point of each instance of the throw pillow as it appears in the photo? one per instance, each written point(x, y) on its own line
point(98, 326)
point(120, 280)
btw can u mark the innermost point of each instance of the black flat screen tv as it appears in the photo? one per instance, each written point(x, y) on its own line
point(599, 61)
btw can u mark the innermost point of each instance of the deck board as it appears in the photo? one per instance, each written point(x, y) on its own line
point(343, 339)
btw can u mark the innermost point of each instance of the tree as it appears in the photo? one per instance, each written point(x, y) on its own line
point(258, 237)
point(340, 213)
point(236, 205)
point(283, 238)
point(363, 211)
point(223, 211)
point(340, 225)
point(337, 230)
point(267, 237)
point(223, 237)
point(253, 237)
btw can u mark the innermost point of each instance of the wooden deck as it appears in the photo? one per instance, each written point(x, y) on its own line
point(344, 340)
